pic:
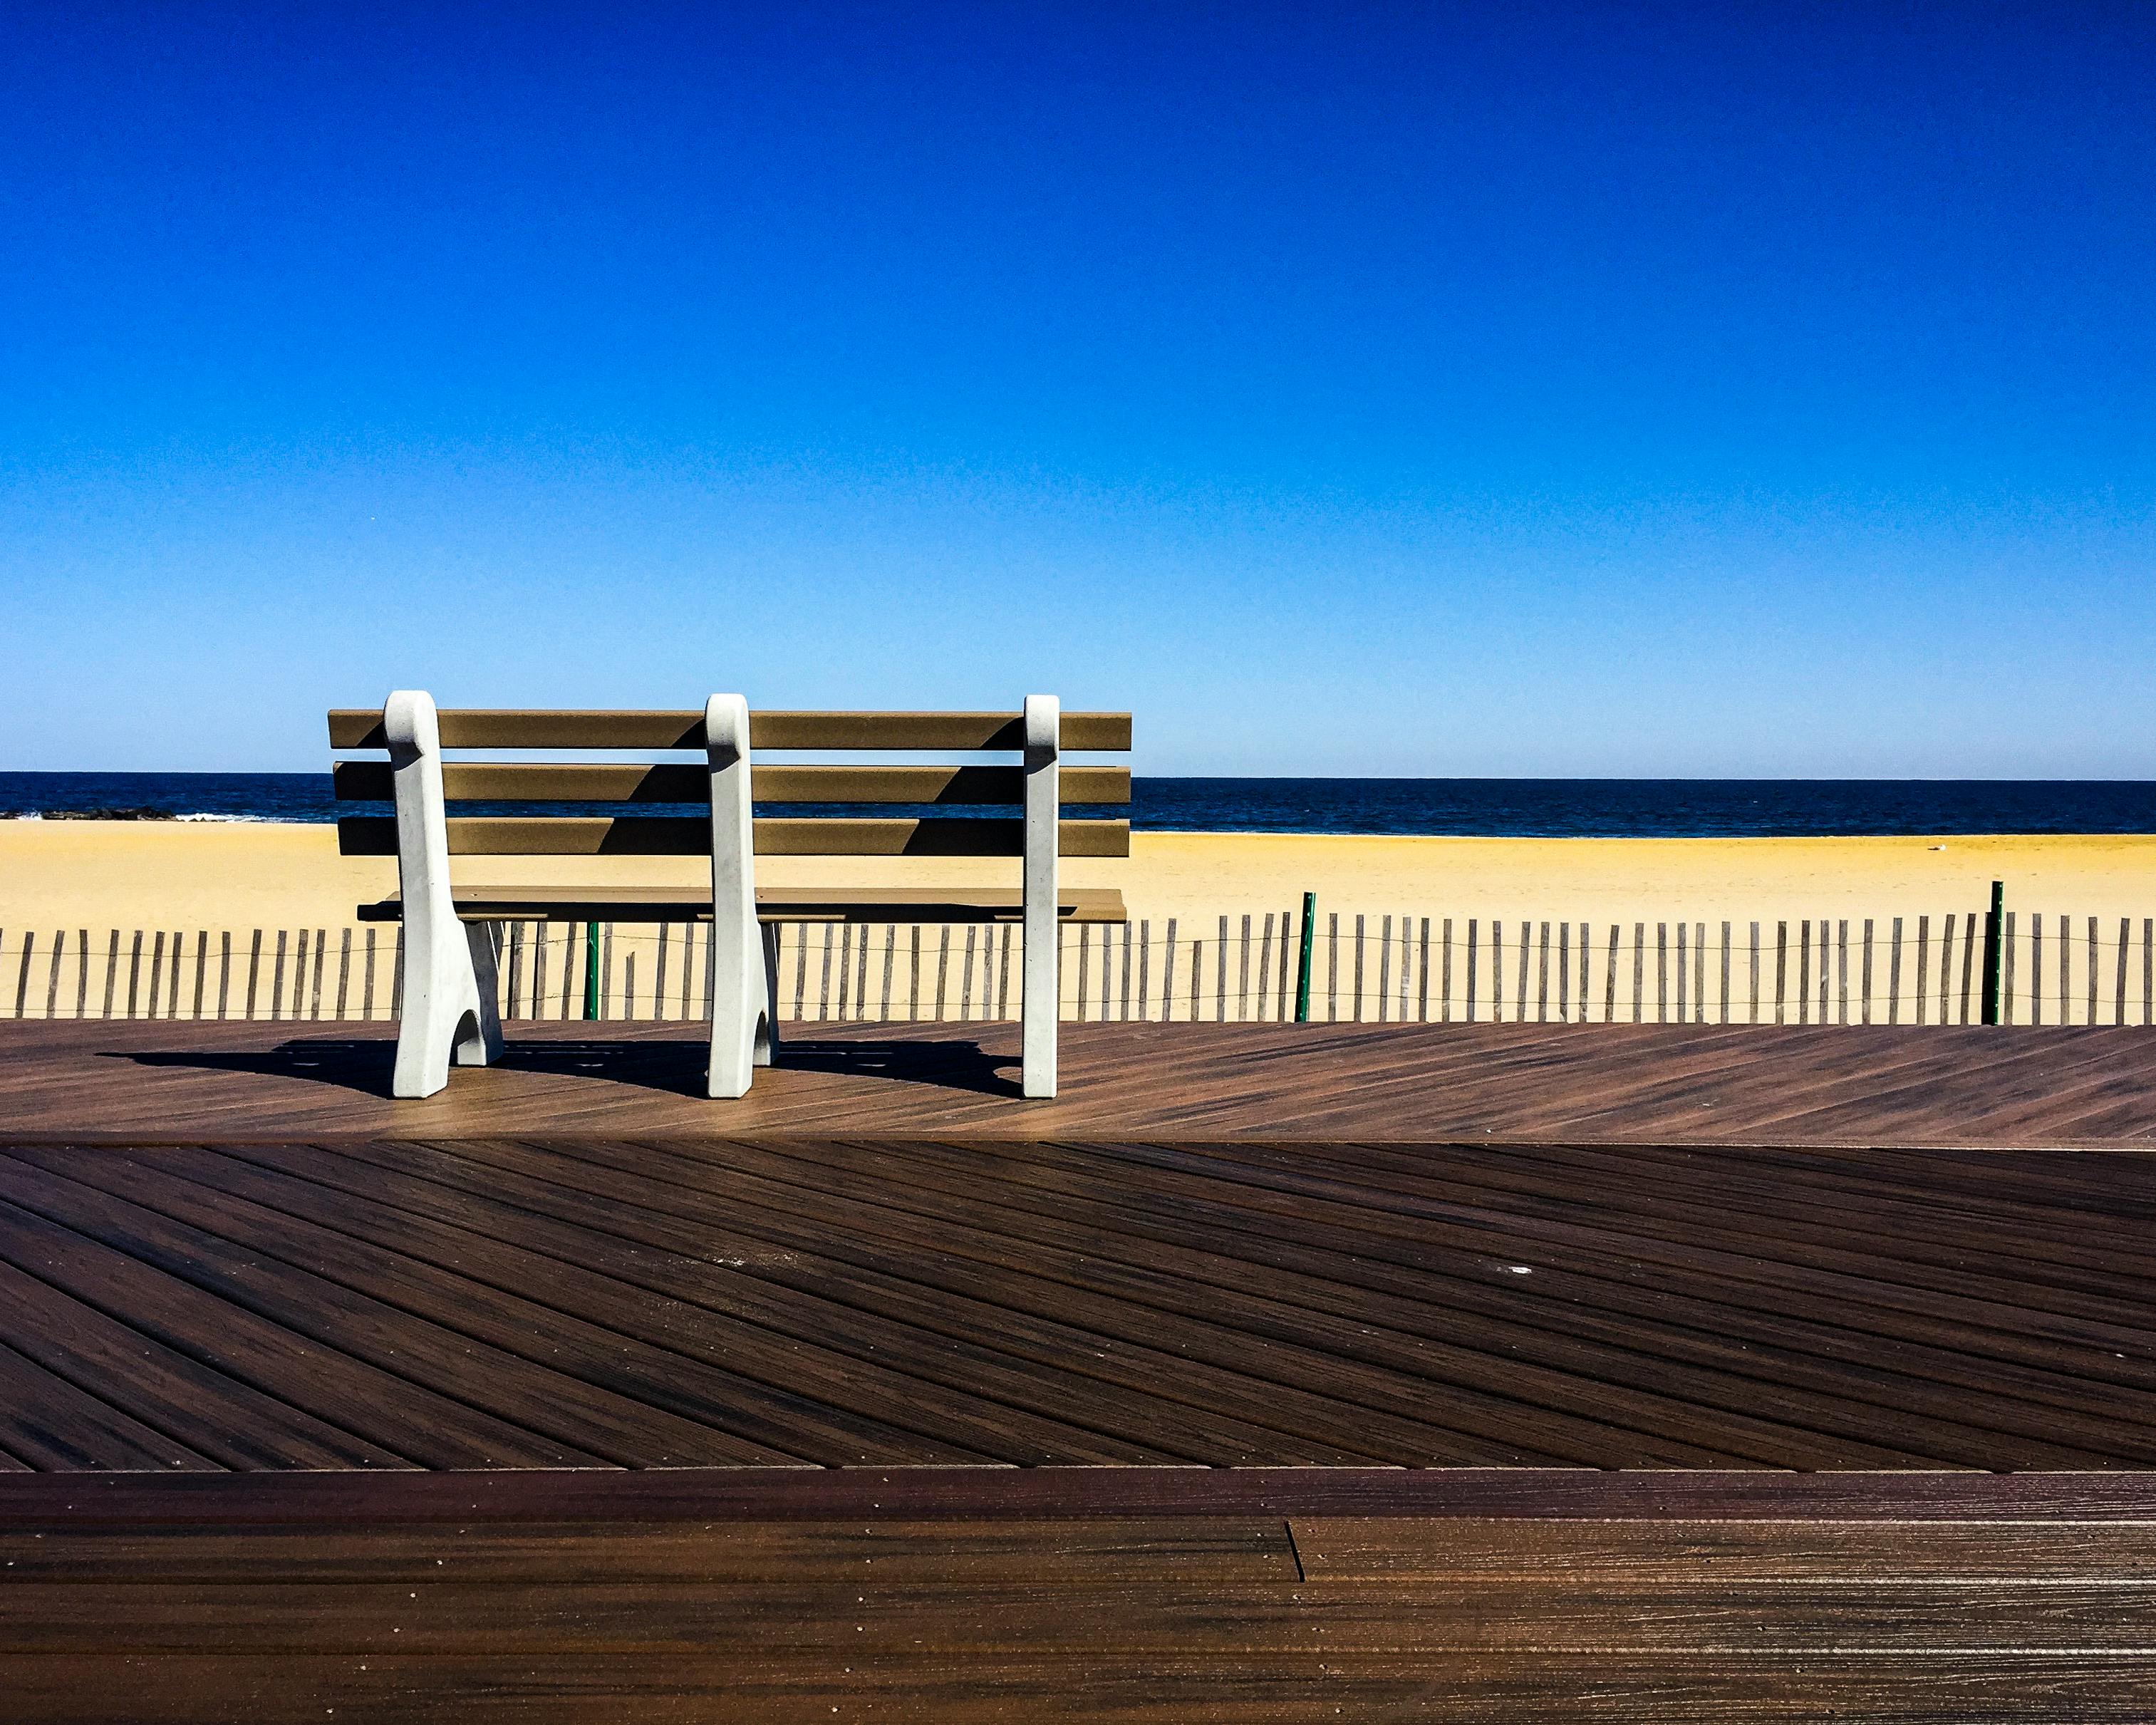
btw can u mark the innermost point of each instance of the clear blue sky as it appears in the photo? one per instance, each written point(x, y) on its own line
point(1410, 390)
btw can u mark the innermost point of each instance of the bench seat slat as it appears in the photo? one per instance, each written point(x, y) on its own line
point(600, 903)
point(680, 782)
point(690, 835)
point(535, 728)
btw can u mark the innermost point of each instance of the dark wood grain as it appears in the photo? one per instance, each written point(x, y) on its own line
point(1826, 1089)
point(568, 1262)
point(349, 1500)
point(581, 1378)
point(1819, 1392)
point(1679, 1552)
point(1183, 1615)
point(408, 1419)
point(47, 1422)
point(1854, 1612)
point(959, 1688)
point(1116, 1551)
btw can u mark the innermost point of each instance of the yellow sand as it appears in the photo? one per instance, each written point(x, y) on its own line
point(217, 876)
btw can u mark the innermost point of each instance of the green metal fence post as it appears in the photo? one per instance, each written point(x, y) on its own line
point(1994, 925)
point(591, 970)
point(1302, 963)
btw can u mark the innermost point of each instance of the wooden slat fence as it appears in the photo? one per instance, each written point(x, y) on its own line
point(1382, 968)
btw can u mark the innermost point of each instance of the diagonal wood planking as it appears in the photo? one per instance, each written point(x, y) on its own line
point(2014, 1086)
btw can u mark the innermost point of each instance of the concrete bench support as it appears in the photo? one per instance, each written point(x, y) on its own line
point(449, 1001)
point(1044, 940)
point(744, 965)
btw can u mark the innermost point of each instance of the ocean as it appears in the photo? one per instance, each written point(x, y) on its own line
point(1492, 807)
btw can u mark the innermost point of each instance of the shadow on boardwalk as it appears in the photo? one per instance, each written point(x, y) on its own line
point(671, 1067)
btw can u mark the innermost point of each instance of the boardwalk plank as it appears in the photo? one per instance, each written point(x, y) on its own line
point(49, 1424)
point(429, 1426)
point(512, 1621)
point(2013, 1087)
point(791, 1339)
point(1245, 1687)
point(206, 1411)
point(602, 1384)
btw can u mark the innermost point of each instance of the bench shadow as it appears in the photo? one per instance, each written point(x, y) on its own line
point(673, 1068)
point(939, 1064)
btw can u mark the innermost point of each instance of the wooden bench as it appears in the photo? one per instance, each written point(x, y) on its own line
point(449, 1006)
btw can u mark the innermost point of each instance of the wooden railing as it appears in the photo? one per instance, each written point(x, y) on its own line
point(2054, 970)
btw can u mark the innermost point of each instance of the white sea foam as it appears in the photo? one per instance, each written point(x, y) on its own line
point(39, 815)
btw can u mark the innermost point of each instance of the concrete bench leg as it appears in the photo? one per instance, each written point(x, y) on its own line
point(449, 1005)
point(1039, 1003)
point(741, 1038)
point(744, 1004)
point(450, 1015)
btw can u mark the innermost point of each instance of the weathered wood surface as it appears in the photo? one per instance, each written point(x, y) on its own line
point(547, 1402)
point(1846, 1505)
point(1263, 1613)
point(2009, 1087)
point(957, 1686)
point(892, 1266)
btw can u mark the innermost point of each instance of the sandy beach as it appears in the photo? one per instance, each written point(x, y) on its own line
point(209, 875)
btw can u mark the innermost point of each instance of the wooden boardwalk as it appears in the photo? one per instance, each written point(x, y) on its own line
point(1102, 1594)
point(1485, 1373)
point(163, 1081)
point(242, 1257)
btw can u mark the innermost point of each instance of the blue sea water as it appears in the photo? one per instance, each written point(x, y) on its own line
point(1523, 807)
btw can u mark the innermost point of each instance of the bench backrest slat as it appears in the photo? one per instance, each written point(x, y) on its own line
point(690, 835)
point(674, 782)
point(543, 728)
